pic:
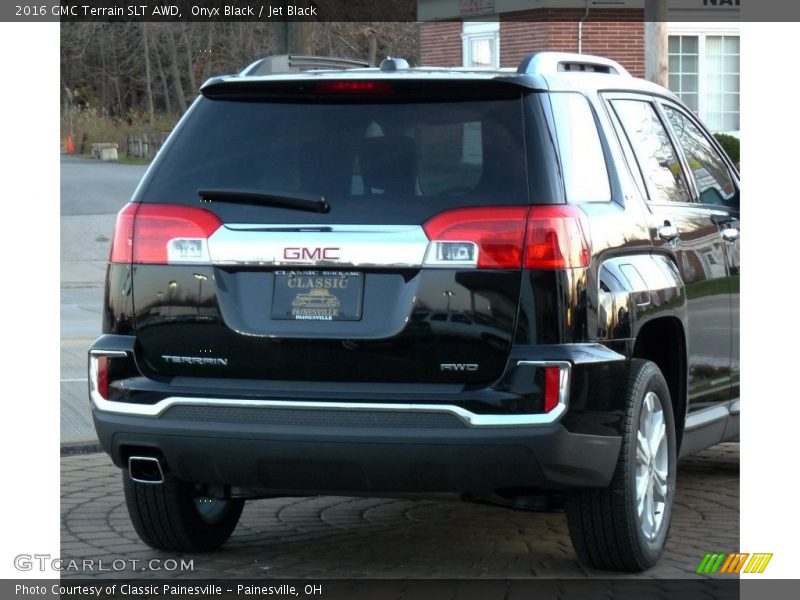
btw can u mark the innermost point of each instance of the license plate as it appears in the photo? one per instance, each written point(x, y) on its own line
point(317, 296)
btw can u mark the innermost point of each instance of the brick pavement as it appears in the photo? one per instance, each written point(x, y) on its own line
point(336, 537)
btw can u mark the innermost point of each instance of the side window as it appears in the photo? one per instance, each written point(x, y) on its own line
point(714, 183)
point(457, 318)
point(657, 158)
point(627, 150)
point(582, 159)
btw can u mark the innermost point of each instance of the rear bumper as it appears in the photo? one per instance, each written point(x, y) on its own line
point(232, 447)
point(364, 441)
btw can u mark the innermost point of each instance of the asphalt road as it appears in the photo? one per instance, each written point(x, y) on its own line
point(92, 192)
point(94, 187)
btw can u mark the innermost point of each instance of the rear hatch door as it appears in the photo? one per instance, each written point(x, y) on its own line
point(411, 270)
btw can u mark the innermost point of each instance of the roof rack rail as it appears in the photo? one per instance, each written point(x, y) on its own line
point(554, 62)
point(293, 63)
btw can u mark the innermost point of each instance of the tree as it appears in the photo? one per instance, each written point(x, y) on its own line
point(147, 76)
point(136, 72)
point(299, 38)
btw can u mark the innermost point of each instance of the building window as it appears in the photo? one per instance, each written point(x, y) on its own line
point(683, 68)
point(704, 73)
point(481, 44)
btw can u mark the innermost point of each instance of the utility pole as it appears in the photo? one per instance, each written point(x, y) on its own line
point(280, 30)
point(293, 37)
point(656, 68)
point(300, 37)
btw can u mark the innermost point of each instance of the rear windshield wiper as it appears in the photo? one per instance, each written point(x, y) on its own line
point(291, 200)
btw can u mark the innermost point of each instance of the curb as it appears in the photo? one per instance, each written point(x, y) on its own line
point(73, 448)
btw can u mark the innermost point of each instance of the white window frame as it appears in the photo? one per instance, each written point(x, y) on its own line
point(480, 30)
point(701, 31)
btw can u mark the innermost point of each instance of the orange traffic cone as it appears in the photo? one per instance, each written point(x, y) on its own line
point(70, 145)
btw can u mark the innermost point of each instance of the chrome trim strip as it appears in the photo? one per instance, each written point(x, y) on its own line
point(706, 417)
point(563, 380)
point(469, 418)
point(93, 368)
point(348, 245)
point(109, 353)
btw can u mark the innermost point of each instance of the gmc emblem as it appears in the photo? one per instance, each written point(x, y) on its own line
point(311, 253)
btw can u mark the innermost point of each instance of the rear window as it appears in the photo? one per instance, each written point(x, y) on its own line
point(407, 161)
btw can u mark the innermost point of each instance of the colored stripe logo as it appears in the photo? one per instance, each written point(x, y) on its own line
point(733, 563)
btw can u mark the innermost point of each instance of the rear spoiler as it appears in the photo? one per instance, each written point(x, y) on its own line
point(294, 63)
point(368, 85)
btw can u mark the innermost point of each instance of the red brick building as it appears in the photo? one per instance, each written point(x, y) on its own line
point(614, 33)
point(703, 57)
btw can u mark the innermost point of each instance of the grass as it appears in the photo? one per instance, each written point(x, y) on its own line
point(132, 160)
point(712, 287)
point(89, 125)
point(122, 160)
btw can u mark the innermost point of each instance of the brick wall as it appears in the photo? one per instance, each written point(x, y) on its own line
point(440, 44)
point(615, 33)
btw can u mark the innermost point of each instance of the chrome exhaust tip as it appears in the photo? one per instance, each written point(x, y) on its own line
point(145, 469)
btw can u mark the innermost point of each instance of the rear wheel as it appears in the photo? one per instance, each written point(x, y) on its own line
point(625, 526)
point(172, 516)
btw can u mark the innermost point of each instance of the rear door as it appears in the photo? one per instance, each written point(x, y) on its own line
point(716, 187)
point(689, 232)
point(345, 294)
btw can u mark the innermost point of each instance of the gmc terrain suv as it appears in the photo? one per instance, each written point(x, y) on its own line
point(505, 284)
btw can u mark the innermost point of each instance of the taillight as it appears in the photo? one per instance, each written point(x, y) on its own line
point(122, 245)
point(489, 238)
point(162, 234)
point(556, 238)
point(508, 237)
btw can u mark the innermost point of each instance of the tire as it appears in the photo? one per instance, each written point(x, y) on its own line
point(170, 515)
point(605, 525)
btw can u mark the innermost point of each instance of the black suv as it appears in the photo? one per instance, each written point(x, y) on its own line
point(506, 284)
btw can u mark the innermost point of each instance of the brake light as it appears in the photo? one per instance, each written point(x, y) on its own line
point(489, 238)
point(353, 87)
point(122, 245)
point(556, 238)
point(162, 234)
point(508, 237)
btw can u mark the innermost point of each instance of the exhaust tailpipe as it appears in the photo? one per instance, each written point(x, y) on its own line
point(145, 469)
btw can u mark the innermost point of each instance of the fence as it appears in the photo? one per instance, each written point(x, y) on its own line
point(145, 145)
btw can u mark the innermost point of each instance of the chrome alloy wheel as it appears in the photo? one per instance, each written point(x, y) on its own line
point(652, 466)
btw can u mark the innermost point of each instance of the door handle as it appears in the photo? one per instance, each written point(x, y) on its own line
point(668, 232)
point(730, 234)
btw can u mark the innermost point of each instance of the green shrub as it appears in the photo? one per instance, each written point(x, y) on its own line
point(731, 145)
